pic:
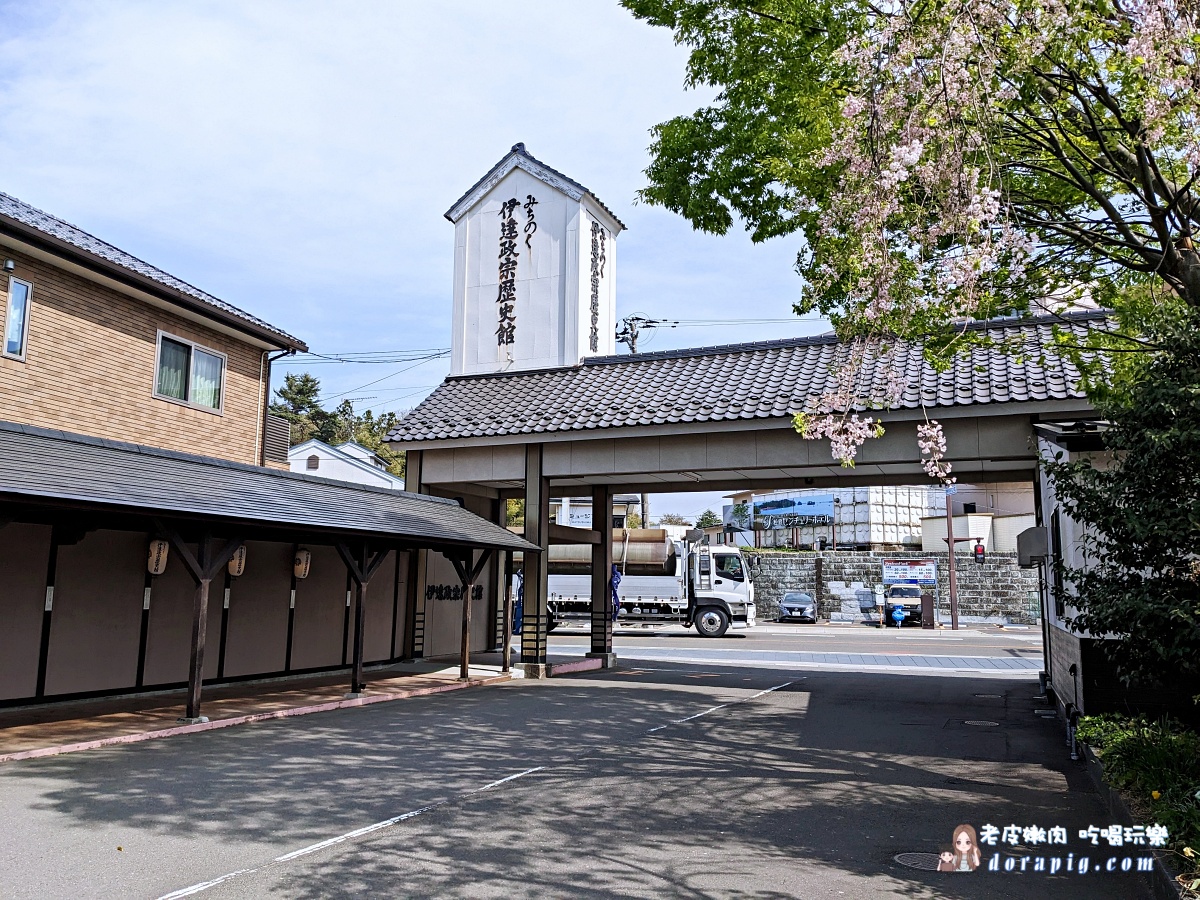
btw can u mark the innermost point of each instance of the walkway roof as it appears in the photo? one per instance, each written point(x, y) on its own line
point(40, 467)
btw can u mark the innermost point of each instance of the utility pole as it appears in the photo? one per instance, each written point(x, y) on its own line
point(632, 325)
point(951, 540)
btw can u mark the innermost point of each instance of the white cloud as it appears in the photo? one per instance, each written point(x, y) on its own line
point(295, 158)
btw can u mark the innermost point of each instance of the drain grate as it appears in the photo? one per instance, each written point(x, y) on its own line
point(990, 696)
point(927, 862)
point(982, 723)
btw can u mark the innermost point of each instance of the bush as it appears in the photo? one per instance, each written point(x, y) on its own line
point(1157, 765)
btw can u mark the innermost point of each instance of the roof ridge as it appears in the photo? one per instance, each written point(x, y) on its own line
point(518, 149)
point(162, 453)
point(125, 259)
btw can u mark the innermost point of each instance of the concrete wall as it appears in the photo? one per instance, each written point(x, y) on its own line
point(997, 591)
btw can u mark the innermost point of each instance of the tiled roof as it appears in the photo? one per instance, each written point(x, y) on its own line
point(55, 227)
point(538, 169)
point(770, 379)
point(41, 464)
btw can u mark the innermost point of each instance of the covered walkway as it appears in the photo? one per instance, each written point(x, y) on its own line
point(110, 553)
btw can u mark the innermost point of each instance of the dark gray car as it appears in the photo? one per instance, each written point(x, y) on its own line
point(797, 605)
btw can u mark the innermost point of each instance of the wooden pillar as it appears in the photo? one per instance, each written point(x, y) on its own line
point(468, 571)
point(495, 597)
point(413, 646)
point(361, 570)
point(199, 632)
point(203, 567)
point(602, 563)
point(535, 618)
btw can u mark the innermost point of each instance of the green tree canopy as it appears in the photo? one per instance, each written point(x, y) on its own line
point(1141, 498)
point(298, 402)
point(708, 519)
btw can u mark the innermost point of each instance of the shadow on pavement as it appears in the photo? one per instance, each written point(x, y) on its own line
point(808, 791)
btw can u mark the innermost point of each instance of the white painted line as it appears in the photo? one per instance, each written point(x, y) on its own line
point(488, 787)
point(715, 708)
point(358, 832)
point(204, 885)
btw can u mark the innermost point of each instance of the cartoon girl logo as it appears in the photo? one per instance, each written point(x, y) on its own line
point(965, 856)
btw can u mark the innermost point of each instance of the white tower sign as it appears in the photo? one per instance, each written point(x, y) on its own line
point(535, 260)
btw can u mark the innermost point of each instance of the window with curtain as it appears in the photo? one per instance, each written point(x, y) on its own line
point(16, 318)
point(189, 373)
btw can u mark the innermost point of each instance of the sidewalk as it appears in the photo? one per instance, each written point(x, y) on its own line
point(54, 728)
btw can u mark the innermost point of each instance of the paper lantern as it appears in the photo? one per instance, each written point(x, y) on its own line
point(302, 563)
point(237, 562)
point(156, 562)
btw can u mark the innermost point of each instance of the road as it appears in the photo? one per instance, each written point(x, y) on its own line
point(663, 780)
point(829, 647)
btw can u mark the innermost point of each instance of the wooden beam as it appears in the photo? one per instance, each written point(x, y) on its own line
point(468, 571)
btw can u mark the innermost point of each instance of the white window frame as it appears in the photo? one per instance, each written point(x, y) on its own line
point(220, 410)
point(19, 357)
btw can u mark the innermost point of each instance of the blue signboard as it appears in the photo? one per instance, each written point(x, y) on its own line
point(794, 511)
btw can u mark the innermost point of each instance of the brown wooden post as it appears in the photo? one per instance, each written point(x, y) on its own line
point(602, 564)
point(199, 634)
point(357, 683)
point(535, 610)
point(361, 571)
point(468, 573)
point(202, 567)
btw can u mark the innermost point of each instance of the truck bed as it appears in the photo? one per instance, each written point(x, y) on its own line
point(664, 587)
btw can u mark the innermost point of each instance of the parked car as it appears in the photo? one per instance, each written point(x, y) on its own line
point(797, 605)
point(906, 597)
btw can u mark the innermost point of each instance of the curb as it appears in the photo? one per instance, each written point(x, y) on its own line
point(248, 719)
point(1162, 883)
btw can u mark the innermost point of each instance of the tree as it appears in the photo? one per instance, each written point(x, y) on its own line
point(708, 519)
point(673, 519)
point(1142, 577)
point(943, 160)
point(740, 515)
point(298, 403)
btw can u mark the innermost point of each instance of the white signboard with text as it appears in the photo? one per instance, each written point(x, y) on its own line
point(910, 571)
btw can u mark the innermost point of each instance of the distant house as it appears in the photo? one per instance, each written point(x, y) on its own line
point(345, 462)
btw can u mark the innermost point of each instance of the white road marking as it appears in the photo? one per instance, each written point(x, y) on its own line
point(488, 787)
point(715, 708)
point(395, 820)
point(204, 885)
point(329, 842)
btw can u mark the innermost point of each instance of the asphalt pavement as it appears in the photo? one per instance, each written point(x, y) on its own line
point(655, 779)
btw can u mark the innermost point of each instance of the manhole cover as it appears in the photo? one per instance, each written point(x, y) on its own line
point(982, 723)
point(989, 696)
point(925, 861)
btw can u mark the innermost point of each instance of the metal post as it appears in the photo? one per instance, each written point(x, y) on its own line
point(950, 563)
point(506, 628)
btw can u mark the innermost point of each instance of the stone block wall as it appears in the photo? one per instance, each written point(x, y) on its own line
point(997, 592)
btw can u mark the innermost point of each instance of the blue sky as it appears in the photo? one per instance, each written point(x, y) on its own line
point(295, 159)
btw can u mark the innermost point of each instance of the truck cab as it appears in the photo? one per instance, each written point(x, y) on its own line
point(720, 589)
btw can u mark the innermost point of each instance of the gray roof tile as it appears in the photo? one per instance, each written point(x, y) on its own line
point(38, 463)
point(55, 227)
point(770, 379)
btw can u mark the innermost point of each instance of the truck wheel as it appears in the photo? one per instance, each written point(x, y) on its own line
point(712, 622)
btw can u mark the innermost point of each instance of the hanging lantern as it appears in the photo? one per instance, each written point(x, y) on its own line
point(237, 562)
point(156, 561)
point(302, 563)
